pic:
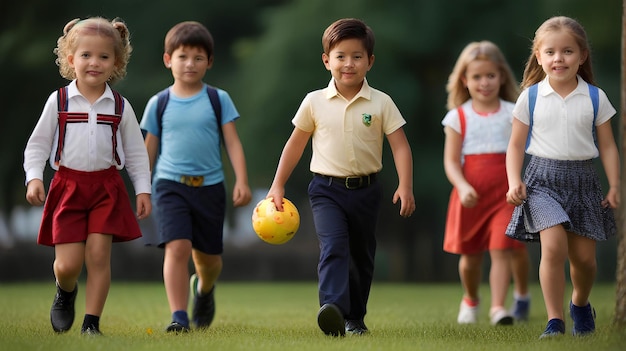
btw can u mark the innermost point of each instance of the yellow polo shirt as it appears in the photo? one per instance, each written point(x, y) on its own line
point(347, 137)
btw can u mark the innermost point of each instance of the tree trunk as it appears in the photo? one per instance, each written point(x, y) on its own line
point(620, 305)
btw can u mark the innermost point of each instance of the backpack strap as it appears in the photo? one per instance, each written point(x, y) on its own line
point(595, 101)
point(164, 96)
point(64, 117)
point(62, 99)
point(62, 122)
point(461, 121)
point(532, 99)
point(119, 102)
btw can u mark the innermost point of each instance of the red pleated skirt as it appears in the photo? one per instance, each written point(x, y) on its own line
point(80, 203)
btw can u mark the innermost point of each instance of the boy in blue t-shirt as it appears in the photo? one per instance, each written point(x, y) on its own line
point(189, 179)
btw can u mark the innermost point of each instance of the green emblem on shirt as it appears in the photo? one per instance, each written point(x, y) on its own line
point(367, 119)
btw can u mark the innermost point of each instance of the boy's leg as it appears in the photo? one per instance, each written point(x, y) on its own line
point(363, 217)
point(208, 269)
point(176, 278)
point(333, 267)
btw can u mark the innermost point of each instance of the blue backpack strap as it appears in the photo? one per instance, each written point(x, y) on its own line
point(532, 99)
point(595, 101)
point(217, 108)
point(164, 95)
point(162, 98)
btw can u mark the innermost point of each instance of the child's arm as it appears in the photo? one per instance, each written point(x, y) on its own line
point(452, 150)
point(514, 161)
point(241, 191)
point(611, 163)
point(292, 152)
point(144, 206)
point(152, 146)
point(404, 166)
point(35, 192)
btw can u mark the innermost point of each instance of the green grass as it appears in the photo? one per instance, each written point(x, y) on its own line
point(282, 316)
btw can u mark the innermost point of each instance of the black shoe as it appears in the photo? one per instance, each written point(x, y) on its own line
point(331, 321)
point(355, 327)
point(91, 331)
point(62, 311)
point(203, 309)
point(176, 327)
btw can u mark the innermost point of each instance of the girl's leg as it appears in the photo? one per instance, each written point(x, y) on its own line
point(470, 269)
point(520, 266)
point(582, 258)
point(499, 277)
point(552, 270)
point(68, 263)
point(98, 265)
point(176, 273)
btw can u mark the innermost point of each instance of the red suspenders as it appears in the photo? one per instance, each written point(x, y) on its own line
point(82, 117)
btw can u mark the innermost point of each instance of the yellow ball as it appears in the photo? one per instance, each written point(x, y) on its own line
point(273, 226)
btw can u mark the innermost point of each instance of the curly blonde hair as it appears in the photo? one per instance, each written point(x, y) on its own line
point(74, 29)
point(486, 51)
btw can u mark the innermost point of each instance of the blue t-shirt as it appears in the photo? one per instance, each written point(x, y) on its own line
point(189, 136)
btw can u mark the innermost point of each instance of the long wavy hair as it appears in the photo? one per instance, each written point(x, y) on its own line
point(533, 72)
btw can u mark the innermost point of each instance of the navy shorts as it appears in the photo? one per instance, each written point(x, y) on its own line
point(191, 213)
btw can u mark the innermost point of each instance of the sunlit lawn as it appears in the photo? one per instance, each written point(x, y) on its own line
point(282, 316)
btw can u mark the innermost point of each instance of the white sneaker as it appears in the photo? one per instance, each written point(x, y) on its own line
point(500, 316)
point(467, 314)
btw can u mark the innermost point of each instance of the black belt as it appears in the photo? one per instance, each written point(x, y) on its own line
point(354, 182)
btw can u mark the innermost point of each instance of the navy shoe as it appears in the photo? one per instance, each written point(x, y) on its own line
point(62, 311)
point(355, 327)
point(331, 321)
point(176, 327)
point(555, 327)
point(521, 310)
point(583, 318)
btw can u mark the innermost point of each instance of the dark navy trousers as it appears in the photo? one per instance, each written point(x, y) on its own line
point(345, 222)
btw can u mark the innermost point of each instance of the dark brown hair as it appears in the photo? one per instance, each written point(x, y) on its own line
point(189, 33)
point(348, 28)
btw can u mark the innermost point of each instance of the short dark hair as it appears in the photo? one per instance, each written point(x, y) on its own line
point(189, 33)
point(348, 28)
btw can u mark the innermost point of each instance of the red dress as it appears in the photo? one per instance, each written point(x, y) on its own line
point(481, 228)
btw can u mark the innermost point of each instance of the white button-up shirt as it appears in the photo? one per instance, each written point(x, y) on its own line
point(562, 127)
point(88, 146)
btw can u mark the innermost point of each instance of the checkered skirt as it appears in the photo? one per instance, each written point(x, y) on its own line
point(562, 192)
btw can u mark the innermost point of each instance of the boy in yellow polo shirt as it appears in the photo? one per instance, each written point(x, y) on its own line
point(347, 122)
